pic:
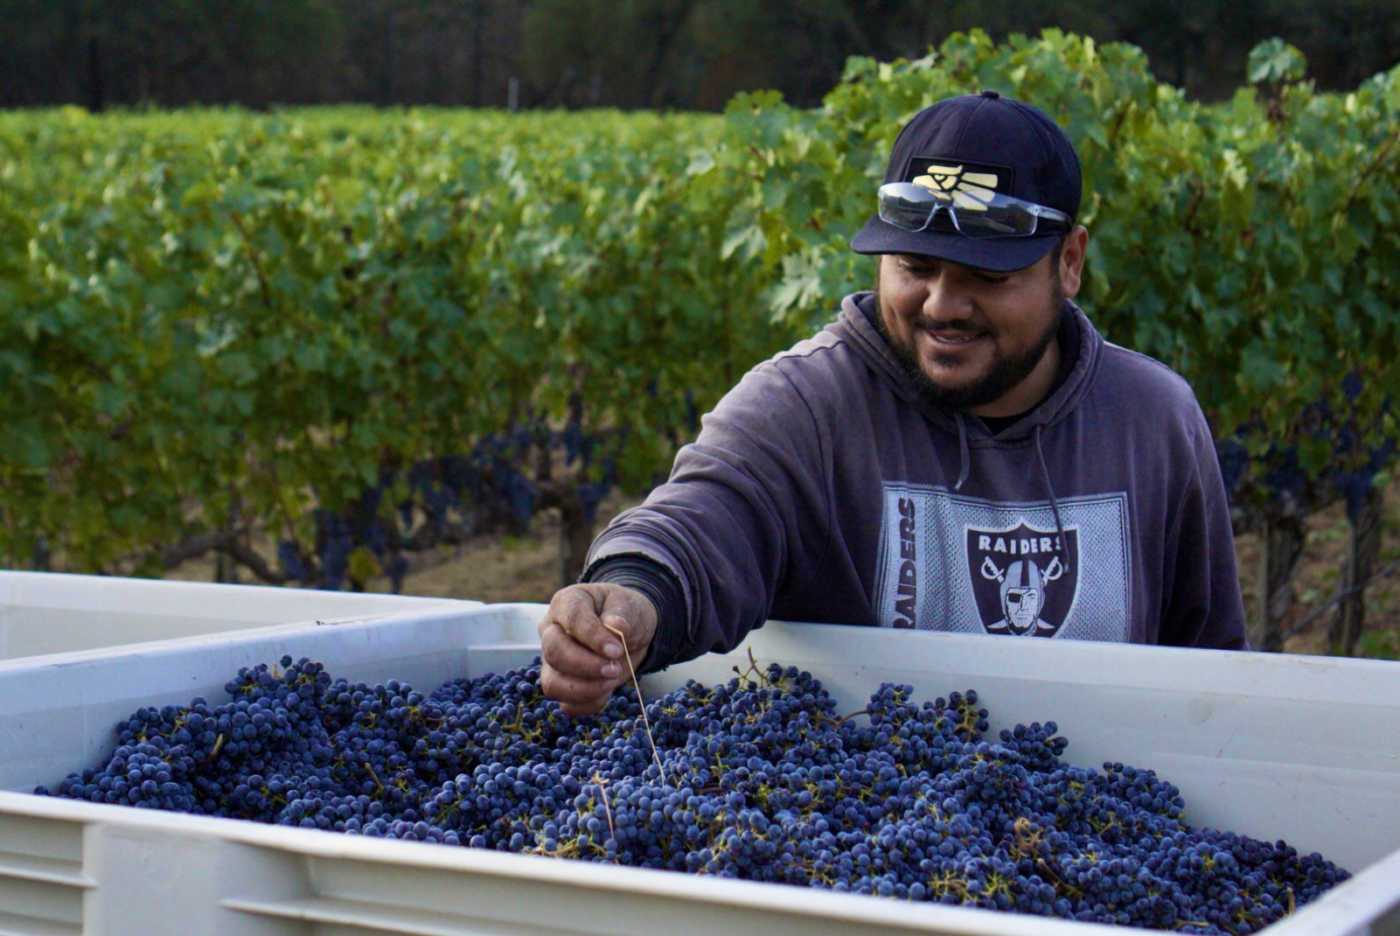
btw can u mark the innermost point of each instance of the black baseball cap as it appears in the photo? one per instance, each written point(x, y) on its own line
point(990, 135)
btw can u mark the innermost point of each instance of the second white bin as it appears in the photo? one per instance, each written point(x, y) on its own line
point(43, 613)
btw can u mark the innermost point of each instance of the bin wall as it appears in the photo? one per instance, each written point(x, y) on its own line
point(42, 613)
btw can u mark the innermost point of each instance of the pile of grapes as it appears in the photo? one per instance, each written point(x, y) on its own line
point(758, 779)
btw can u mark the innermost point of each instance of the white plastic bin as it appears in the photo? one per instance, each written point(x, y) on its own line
point(43, 613)
point(1302, 748)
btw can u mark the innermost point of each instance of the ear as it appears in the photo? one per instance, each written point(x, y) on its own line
point(1072, 260)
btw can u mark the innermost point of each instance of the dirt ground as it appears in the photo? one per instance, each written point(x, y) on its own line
point(1320, 571)
point(501, 568)
point(526, 568)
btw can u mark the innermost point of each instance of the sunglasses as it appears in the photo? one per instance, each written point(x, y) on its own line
point(911, 207)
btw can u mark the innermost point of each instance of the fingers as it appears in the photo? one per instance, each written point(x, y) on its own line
point(576, 696)
point(574, 710)
point(576, 610)
point(573, 673)
point(572, 658)
point(582, 639)
point(632, 614)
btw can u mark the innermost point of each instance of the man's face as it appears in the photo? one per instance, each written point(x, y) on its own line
point(968, 337)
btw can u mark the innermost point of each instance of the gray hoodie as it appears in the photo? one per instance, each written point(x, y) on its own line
point(823, 487)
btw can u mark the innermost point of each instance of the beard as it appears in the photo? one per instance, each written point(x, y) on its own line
point(1006, 372)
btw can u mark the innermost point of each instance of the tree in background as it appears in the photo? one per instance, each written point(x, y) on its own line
point(106, 52)
point(681, 54)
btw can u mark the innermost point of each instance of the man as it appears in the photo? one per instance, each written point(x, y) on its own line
point(958, 434)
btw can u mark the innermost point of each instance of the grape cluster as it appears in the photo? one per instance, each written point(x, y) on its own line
point(446, 499)
point(1256, 467)
point(759, 779)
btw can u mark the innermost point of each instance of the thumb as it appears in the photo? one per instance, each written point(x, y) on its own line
point(630, 614)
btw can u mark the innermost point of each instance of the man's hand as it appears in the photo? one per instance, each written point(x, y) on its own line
point(583, 660)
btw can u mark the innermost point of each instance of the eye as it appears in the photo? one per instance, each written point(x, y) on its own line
point(992, 280)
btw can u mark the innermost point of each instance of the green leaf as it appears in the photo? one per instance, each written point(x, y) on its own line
point(744, 243)
point(701, 162)
point(1260, 368)
point(26, 440)
point(1274, 60)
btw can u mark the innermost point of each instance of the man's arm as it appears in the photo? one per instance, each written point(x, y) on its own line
point(745, 504)
point(1203, 606)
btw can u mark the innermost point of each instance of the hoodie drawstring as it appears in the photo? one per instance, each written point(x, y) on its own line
point(1054, 504)
point(964, 456)
point(965, 460)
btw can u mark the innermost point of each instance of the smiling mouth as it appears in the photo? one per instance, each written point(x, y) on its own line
point(953, 339)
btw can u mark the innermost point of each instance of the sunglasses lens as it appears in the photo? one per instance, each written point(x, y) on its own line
point(906, 206)
point(997, 221)
point(912, 207)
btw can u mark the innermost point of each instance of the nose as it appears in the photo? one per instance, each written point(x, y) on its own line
point(947, 299)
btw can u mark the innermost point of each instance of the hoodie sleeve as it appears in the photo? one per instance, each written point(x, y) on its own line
point(743, 503)
point(1203, 604)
